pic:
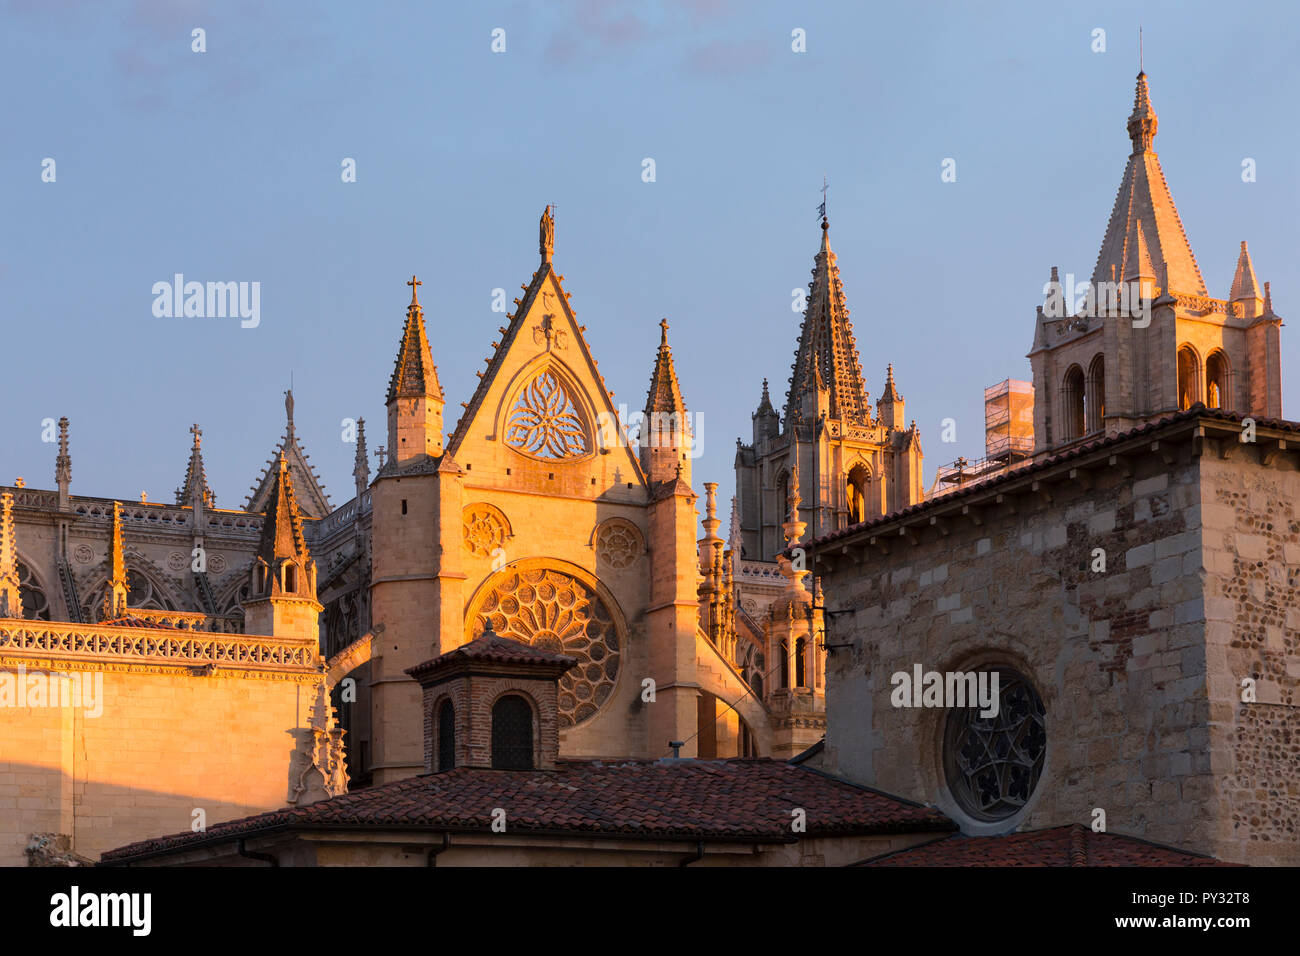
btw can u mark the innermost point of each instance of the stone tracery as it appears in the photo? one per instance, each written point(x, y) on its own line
point(545, 422)
point(556, 611)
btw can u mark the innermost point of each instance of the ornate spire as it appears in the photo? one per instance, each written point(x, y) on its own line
point(63, 463)
point(1142, 122)
point(827, 356)
point(361, 465)
point(1245, 287)
point(117, 590)
point(891, 390)
point(665, 394)
point(11, 601)
point(282, 534)
point(195, 485)
point(546, 235)
point(414, 374)
point(1144, 207)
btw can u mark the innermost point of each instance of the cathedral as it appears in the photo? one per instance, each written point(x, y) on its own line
point(538, 516)
point(526, 590)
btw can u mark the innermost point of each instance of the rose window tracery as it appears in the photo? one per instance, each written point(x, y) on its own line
point(545, 421)
point(558, 612)
point(485, 530)
point(618, 544)
point(993, 763)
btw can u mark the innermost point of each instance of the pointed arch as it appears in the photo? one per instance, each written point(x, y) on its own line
point(546, 414)
point(857, 487)
point(1095, 395)
point(1189, 376)
point(1073, 388)
point(1218, 380)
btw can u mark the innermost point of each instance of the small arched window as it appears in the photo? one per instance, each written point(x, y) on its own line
point(785, 664)
point(446, 736)
point(290, 579)
point(1072, 392)
point(1095, 402)
point(1189, 379)
point(1217, 391)
point(800, 663)
point(512, 734)
point(856, 488)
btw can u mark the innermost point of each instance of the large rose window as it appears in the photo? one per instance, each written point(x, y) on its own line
point(556, 611)
point(993, 763)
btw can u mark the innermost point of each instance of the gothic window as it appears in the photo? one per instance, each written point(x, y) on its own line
point(1095, 396)
point(618, 543)
point(486, 529)
point(993, 763)
point(290, 579)
point(800, 663)
point(1189, 392)
point(857, 494)
point(142, 594)
point(785, 664)
point(554, 610)
point(512, 734)
point(36, 607)
point(1217, 393)
point(447, 735)
point(545, 421)
point(1072, 392)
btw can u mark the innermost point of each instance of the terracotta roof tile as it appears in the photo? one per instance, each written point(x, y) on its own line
point(1074, 845)
point(1036, 466)
point(492, 647)
point(705, 799)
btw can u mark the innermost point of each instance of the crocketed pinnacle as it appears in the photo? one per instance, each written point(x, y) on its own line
point(1244, 283)
point(414, 374)
point(665, 394)
point(827, 356)
point(282, 534)
point(890, 393)
point(195, 485)
point(1145, 236)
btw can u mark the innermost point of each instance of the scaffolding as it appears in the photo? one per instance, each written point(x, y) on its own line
point(1008, 437)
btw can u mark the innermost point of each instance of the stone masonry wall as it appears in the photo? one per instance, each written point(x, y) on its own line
point(1252, 600)
point(1118, 657)
point(167, 742)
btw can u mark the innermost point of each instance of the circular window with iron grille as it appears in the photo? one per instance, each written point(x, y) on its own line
point(993, 762)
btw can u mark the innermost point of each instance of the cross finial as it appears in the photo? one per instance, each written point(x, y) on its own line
point(197, 432)
point(415, 289)
point(822, 208)
point(381, 454)
point(1140, 67)
point(663, 338)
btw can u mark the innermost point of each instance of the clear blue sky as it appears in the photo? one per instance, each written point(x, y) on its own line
point(226, 166)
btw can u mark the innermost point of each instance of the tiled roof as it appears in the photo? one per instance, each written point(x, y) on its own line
point(697, 800)
point(1074, 845)
point(492, 647)
point(1036, 467)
